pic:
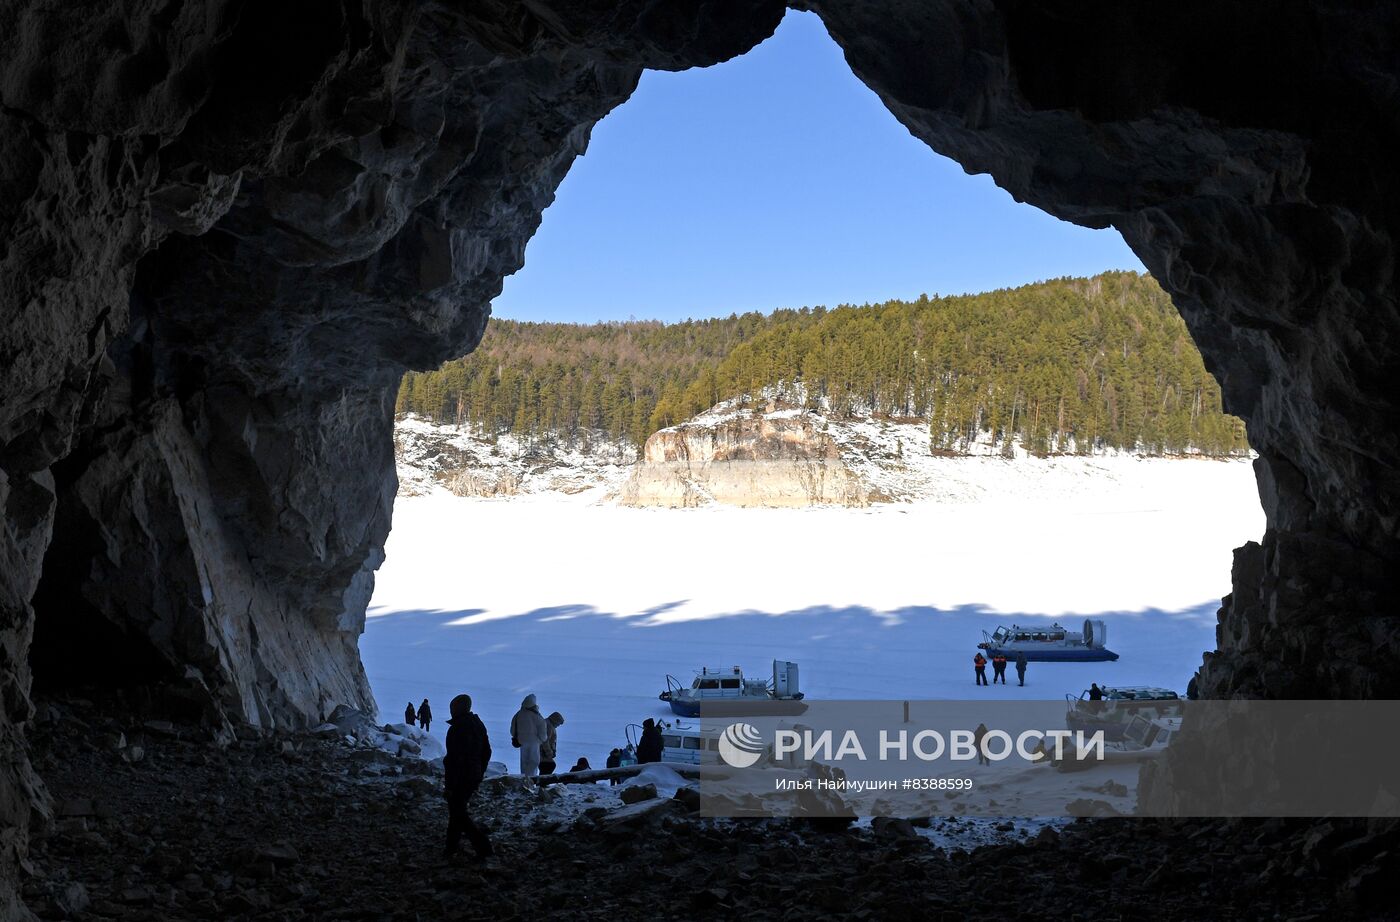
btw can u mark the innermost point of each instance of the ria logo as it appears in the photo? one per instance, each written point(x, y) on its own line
point(741, 745)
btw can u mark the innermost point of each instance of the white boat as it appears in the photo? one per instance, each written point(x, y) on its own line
point(1118, 706)
point(680, 744)
point(1145, 737)
point(1053, 644)
point(726, 693)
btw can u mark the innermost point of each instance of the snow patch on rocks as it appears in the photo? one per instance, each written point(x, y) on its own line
point(466, 462)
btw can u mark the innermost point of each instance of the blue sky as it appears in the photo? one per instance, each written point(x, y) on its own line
point(777, 180)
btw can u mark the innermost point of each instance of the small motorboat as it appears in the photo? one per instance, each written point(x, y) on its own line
point(1053, 644)
point(727, 693)
point(1144, 737)
point(1118, 707)
point(681, 744)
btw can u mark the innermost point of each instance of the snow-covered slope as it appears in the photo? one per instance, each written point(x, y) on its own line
point(775, 455)
point(431, 457)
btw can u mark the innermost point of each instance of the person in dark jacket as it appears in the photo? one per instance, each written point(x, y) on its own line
point(999, 668)
point(1020, 667)
point(581, 766)
point(614, 761)
point(649, 746)
point(977, 736)
point(468, 751)
point(409, 715)
point(425, 715)
point(1095, 693)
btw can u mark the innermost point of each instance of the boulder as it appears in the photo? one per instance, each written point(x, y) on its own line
point(636, 793)
point(890, 827)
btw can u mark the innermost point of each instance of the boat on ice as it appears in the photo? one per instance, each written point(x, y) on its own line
point(1145, 736)
point(1118, 707)
point(681, 744)
point(728, 693)
point(1055, 644)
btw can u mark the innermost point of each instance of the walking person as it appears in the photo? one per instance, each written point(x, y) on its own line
point(1020, 667)
point(977, 736)
point(528, 732)
point(425, 715)
point(979, 663)
point(551, 744)
point(468, 752)
point(409, 715)
point(999, 668)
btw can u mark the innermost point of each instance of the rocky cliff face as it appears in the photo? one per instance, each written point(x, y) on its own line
point(226, 228)
point(431, 457)
point(778, 458)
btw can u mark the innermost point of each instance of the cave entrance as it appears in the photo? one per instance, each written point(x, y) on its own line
point(90, 641)
point(951, 496)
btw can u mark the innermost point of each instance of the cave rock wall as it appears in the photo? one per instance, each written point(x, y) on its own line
point(227, 227)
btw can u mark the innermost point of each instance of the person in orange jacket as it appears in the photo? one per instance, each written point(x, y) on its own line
point(979, 663)
point(999, 668)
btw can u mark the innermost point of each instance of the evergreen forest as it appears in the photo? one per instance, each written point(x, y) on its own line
point(1070, 364)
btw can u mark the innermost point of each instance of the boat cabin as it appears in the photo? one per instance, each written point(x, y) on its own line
point(716, 682)
point(1053, 634)
point(689, 745)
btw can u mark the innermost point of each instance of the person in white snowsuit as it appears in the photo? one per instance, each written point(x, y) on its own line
point(529, 731)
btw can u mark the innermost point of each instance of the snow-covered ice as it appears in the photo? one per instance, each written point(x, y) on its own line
point(590, 605)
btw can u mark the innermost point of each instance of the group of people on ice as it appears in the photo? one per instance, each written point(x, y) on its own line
point(998, 661)
point(423, 716)
point(469, 753)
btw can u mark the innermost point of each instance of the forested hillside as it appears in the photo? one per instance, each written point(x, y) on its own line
point(1064, 365)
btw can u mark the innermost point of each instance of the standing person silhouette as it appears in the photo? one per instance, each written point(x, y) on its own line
point(425, 715)
point(1020, 667)
point(999, 668)
point(550, 747)
point(409, 715)
point(977, 736)
point(650, 746)
point(468, 752)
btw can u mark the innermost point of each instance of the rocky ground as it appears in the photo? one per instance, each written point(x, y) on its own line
point(156, 821)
